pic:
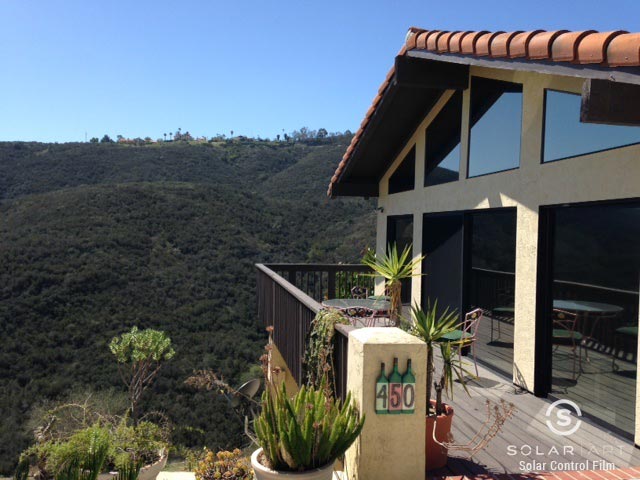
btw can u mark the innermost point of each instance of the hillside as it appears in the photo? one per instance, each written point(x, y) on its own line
point(95, 238)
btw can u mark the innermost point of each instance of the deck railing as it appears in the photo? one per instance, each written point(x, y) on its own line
point(289, 297)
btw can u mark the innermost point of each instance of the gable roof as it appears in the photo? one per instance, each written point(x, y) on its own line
point(588, 54)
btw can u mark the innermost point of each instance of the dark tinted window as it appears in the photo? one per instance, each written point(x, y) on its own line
point(496, 124)
point(594, 312)
point(442, 146)
point(565, 136)
point(403, 178)
point(400, 232)
point(491, 282)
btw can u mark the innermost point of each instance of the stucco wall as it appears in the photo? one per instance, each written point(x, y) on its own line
point(614, 174)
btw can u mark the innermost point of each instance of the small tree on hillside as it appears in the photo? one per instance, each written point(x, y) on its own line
point(140, 355)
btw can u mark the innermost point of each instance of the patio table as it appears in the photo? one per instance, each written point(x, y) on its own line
point(379, 306)
point(584, 308)
point(588, 311)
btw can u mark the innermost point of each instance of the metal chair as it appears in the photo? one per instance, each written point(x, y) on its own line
point(627, 332)
point(359, 292)
point(504, 311)
point(565, 333)
point(466, 336)
point(360, 316)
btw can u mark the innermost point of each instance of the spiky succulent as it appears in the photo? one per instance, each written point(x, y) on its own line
point(306, 431)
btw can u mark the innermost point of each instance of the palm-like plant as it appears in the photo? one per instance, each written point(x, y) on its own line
point(431, 328)
point(394, 268)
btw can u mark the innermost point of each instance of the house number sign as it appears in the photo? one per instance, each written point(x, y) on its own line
point(396, 394)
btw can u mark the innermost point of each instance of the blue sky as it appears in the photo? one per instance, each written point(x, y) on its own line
point(139, 68)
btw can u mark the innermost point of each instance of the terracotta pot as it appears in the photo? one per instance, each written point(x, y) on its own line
point(436, 454)
point(263, 473)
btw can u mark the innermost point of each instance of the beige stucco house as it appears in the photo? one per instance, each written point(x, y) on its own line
point(512, 161)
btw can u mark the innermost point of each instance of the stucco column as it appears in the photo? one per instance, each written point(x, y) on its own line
point(525, 298)
point(416, 282)
point(390, 446)
point(527, 238)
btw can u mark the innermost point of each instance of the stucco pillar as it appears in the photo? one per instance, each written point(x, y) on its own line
point(527, 238)
point(416, 282)
point(381, 245)
point(390, 446)
point(525, 298)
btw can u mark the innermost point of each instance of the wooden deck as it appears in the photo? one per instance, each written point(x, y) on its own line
point(526, 445)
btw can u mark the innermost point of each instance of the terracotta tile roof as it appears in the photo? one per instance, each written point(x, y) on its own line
point(604, 49)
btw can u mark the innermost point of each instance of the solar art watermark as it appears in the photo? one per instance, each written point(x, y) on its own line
point(563, 419)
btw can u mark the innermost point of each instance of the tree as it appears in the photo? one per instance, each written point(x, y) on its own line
point(106, 139)
point(94, 140)
point(140, 355)
point(322, 133)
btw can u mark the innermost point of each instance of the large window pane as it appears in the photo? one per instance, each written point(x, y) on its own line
point(400, 232)
point(565, 136)
point(442, 145)
point(496, 124)
point(492, 284)
point(403, 179)
point(594, 316)
point(442, 243)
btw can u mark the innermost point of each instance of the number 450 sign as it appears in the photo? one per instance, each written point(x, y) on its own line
point(396, 393)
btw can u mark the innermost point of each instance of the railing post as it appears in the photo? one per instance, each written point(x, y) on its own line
point(331, 289)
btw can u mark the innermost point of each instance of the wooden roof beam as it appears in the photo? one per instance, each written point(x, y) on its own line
point(611, 103)
point(420, 73)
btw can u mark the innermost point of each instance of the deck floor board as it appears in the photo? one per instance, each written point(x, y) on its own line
point(528, 434)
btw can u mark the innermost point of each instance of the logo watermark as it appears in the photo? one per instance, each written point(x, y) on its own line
point(563, 421)
point(563, 418)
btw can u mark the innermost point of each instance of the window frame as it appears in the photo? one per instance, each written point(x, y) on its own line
point(413, 149)
point(428, 170)
point(470, 127)
point(544, 132)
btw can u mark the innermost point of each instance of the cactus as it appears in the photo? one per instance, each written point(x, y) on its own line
point(307, 431)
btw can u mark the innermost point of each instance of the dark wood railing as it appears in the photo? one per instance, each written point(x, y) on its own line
point(321, 281)
point(288, 300)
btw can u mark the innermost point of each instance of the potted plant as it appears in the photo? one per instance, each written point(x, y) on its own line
point(393, 268)
point(301, 437)
point(431, 328)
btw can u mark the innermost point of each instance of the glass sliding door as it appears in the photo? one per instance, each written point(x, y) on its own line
point(400, 232)
point(592, 308)
point(490, 282)
point(442, 268)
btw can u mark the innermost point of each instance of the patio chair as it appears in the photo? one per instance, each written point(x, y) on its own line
point(360, 316)
point(467, 336)
point(565, 333)
point(627, 332)
point(359, 292)
point(504, 311)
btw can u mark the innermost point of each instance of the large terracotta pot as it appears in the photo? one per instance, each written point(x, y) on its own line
point(263, 473)
point(436, 454)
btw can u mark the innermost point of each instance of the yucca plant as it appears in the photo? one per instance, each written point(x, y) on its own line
point(307, 431)
point(394, 268)
point(431, 327)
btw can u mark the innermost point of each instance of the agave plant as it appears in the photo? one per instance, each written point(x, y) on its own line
point(394, 268)
point(307, 431)
point(431, 327)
